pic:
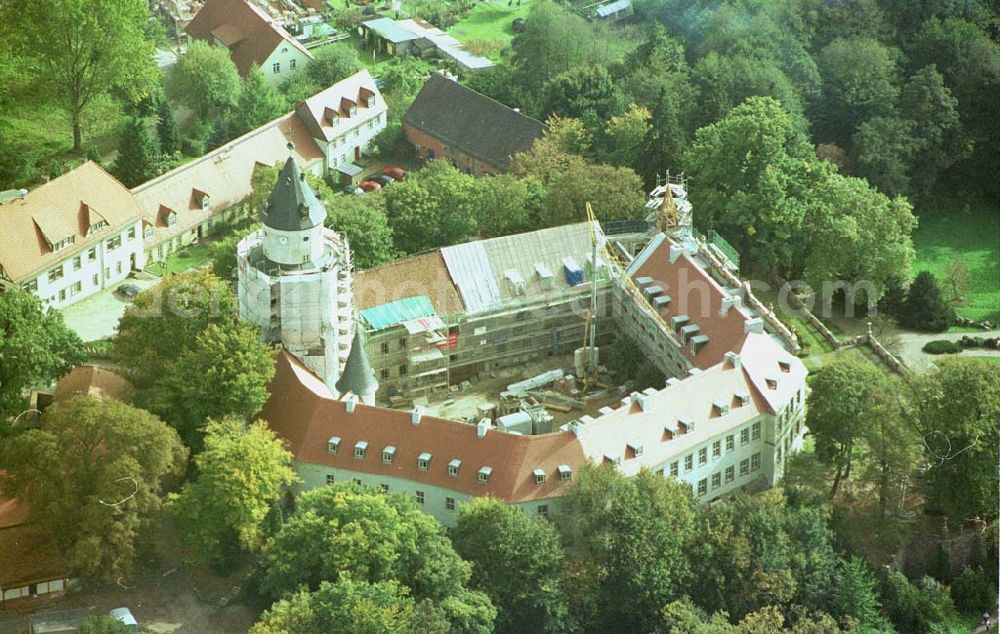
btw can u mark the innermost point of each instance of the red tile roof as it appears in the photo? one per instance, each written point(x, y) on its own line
point(302, 411)
point(224, 174)
point(64, 208)
point(27, 552)
point(88, 380)
point(411, 277)
point(696, 294)
point(250, 34)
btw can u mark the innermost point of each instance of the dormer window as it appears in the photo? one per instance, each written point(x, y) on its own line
point(772, 383)
point(353, 111)
point(453, 467)
point(743, 397)
point(204, 201)
point(370, 102)
point(539, 476)
point(686, 424)
point(613, 458)
point(424, 461)
point(484, 475)
point(565, 472)
point(721, 408)
point(785, 366)
point(635, 448)
point(97, 226)
point(62, 244)
point(360, 448)
point(388, 454)
point(333, 444)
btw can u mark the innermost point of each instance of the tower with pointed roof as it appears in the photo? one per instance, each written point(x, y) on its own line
point(358, 377)
point(294, 278)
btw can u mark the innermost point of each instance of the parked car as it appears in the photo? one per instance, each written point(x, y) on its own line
point(125, 616)
point(128, 291)
point(370, 186)
point(353, 189)
point(383, 180)
point(396, 173)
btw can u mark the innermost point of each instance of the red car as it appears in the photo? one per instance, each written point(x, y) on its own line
point(396, 172)
point(370, 186)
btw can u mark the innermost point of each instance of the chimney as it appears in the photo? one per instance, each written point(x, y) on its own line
point(754, 325)
point(730, 301)
point(351, 403)
point(675, 252)
point(416, 415)
point(482, 427)
point(733, 359)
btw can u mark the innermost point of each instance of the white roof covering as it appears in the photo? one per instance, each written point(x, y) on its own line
point(691, 401)
point(470, 269)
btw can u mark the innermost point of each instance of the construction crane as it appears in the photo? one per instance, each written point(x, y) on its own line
point(590, 373)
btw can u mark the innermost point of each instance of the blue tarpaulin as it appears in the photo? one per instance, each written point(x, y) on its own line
point(388, 315)
point(574, 274)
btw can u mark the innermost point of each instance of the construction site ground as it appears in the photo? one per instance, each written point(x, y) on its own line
point(487, 386)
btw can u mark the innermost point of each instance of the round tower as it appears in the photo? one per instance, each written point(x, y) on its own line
point(295, 278)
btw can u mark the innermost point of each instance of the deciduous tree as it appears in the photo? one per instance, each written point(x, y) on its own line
point(80, 50)
point(343, 531)
point(205, 79)
point(433, 207)
point(614, 192)
point(384, 607)
point(167, 317)
point(92, 475)
point(837, 405)
point(859, 82)
point(224, 371)
point(332, 63)
point(627, 541)
point(507, 205)
point(515, 561)
point(242, 472)
point(362, 219)
point(36, 347)
point(956, 406)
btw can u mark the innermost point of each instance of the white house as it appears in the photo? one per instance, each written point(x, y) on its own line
point(252, 37)
point(71, 237)
point(344, 119)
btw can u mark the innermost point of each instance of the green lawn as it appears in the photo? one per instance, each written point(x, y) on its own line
point(183, 260)
point(972, 234)
point(489, 21)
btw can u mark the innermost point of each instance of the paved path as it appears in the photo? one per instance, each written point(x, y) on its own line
point(911, 344)
point(96, 317)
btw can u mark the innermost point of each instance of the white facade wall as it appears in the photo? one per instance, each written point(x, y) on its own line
point(435, 498)
point(727, 458)
point(344, 147)
point(87, 270)
point(284, 62)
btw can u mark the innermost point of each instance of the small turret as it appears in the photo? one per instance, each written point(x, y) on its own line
point(358, 377)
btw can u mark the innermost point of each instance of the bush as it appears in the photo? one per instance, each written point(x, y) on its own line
point(942, 346)
point(918, 608)
point(971, 342)
point(973, 592)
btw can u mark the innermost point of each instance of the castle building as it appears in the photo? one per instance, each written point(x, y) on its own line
point(726, 419)
point(294, 278)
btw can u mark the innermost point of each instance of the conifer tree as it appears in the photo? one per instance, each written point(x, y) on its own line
point(138, 155)
point(166, 129)
point(925, 307)
point(258, 103)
